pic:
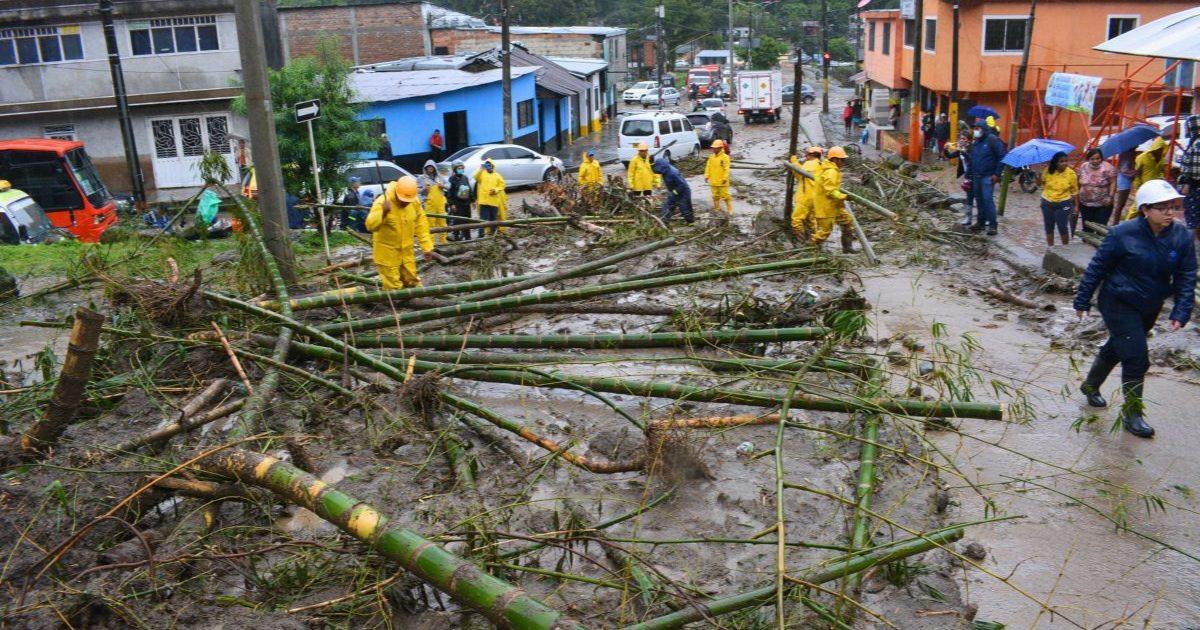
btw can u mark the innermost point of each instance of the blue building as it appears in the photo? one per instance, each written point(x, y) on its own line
point(408, 105)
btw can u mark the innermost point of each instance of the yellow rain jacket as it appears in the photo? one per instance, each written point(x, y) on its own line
point(490, 188)
point(392, 238)
point(639, 177)
point(435, 201)
point(802, 198)
point(1148, 165)
point(829, 202)
point(716, 170)
point(589, 173)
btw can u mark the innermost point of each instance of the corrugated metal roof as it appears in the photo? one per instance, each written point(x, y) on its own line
point(375, 87)
point(713, 53)
point(440, 62)
point(550, 75)
point(580, 65)
point(607, 31)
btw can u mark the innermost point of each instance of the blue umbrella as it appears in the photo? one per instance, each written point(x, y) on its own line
point(982, 111)
point(1127, 139)
point(1035, 151)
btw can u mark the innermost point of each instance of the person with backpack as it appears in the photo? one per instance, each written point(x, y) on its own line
point(985, 168)
point(460, 196)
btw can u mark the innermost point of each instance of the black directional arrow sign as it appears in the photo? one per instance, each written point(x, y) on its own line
point(308, 110)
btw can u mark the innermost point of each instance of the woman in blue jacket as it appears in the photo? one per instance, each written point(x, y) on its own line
point(1140, 263)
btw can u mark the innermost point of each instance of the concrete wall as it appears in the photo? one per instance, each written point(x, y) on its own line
point(409, 122)
point(90, 78)
point(365, 34)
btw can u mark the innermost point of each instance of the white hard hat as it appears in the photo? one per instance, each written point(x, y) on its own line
point(1156, 191)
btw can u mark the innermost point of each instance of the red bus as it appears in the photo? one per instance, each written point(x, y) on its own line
point(704, 78)
point(59, 175)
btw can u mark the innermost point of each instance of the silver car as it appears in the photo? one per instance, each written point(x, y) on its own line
point(670, 97)
point(516, 164)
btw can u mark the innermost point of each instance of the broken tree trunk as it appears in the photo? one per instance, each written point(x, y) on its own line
point(1013, 298)
point(69, 390)
point(500, 602)
point(550, 297)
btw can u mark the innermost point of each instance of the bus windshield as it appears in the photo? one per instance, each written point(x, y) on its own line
point(42, 176)
point(89, 181)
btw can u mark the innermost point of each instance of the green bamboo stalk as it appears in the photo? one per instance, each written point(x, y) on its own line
point(370, 297)
point(500, 602)
point(715, 364)
point(866, 473)
point(548, 297)
point(572, 272)
point(596, 341)
point(766, 594)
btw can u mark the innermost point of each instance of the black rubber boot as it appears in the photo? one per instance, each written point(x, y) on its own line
point(1131, 410)
point(847, 242)
point(1095, 378)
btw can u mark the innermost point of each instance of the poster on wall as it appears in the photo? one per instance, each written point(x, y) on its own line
point(1072, 92)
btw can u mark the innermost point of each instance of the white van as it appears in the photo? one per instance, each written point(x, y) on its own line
point(657, 129)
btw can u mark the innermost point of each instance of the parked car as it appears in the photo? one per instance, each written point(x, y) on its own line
point(635, 92)
point(659, 130)
point(22, 220)
point(702, 123)
point(516, 164)
point(807, 94)
point(712, 105)
point(374, 174)
point(670, 97)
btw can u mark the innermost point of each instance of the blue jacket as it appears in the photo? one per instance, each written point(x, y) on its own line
point(1141, 270)
point(986, 153)
point(673, 180)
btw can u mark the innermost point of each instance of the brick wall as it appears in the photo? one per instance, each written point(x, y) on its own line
point(365, 34)
point(549, 45)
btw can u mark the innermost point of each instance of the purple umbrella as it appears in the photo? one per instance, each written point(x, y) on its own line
point(1127, 139)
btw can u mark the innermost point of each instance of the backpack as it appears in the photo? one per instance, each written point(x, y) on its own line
point(462, 190)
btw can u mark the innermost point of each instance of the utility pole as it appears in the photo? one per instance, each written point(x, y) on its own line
point(916, 141)
point(506, 72)
point(730, 38)
point(794, 133)
point(264, 146)
point(954, 76)
point(659, 49)
point(824, 59)
point(1012, 130)
point(136, 180)
point(750, 37)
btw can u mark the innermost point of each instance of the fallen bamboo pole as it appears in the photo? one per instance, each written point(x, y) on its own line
point(181, 426)
point(532, 222)
point(868, 250)
point(358, 295)
point(70, 388)
point(549, 297)
point(202, 489)
point(1013, 298)
point(871, 205)
point(500, 602)
point(766, 595)
point(595, 341)
point(860, 534)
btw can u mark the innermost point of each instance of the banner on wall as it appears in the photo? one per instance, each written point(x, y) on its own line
point(1072, 92)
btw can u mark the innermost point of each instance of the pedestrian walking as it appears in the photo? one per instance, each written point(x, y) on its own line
point(941, 132)
point(1060, 187)
point(1138, 265)
point(639, 177)
point(489, 193)
point(1189, 177)
point(803, 223)
point(721, 129)
point(847, 118)
point(829, 202)
point(856, 111)
point(1097, 188)
point(985, 168)
point(679, 193)
point(716, 173)
point(396, 218)
point(354, 207)
point(431, 189)
point(460, 196)
point(437, 145)
point(927, 125)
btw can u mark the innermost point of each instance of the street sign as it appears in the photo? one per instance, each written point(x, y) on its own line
point(308, 110)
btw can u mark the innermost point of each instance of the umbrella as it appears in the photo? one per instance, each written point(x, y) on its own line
point(1035, 151)
point(982, 111)
point(1127, 139)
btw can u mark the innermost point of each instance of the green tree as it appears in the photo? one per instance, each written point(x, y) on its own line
point(766, 55)
point(339, 133)
point(840, 49)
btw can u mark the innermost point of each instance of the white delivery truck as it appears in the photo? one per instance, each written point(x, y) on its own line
point(760, 95)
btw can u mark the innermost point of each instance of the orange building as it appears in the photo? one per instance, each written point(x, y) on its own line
point(990, 43)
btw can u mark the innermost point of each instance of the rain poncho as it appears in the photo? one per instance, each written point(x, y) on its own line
point(716, 172)
point(639, 177)
point(589, 173)
point(432, 191)
point(489, 188)
point(392, 238)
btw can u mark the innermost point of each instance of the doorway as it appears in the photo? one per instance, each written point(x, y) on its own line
point(454, 124)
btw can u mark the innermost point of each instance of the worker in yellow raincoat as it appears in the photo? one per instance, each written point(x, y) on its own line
point(1149, 165)
point(490, 195)
point(431, 189)
point(590, 176)
point(395, 219)
point(716, 173)
point(829, 202)
point(803, 223)
point(638, 177)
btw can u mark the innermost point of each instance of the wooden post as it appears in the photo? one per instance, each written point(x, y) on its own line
point(68, 392)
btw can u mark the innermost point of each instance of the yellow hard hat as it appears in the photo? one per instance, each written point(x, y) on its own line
point(406, 188)
point(814, 149)
point(836, 152)
point(642, 146)
point(718, 143)
point(950, 146)
point(4, 185)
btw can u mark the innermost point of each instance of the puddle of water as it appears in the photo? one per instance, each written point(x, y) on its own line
point(1106, 576)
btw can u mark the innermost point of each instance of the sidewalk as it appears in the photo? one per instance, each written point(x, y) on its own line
point(603, 142)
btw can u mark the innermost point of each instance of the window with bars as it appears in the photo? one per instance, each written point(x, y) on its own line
point(44, 44)
point(59, 132)
point(168, 36)
point(1004, 35)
